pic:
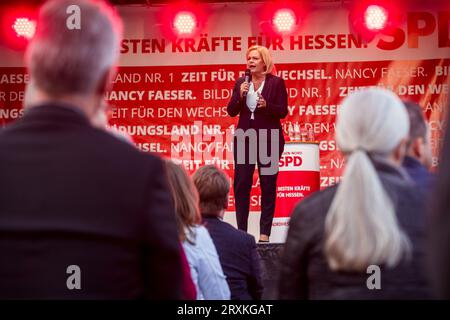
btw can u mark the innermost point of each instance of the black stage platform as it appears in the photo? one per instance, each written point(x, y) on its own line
point(270, 254)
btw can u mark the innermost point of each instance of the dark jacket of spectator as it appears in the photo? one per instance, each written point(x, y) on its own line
point(419, 174)
point(439, 228)
point(73, 195)
point(238, 257)
point(305, 273)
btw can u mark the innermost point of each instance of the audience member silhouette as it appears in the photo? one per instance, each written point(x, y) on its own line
point(418, 158)
point(201, 253)
point(363, 238)
point(236, 248)
point(82, 214)
point(439, 228)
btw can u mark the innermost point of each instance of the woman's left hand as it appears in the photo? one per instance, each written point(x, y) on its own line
point(261, 103)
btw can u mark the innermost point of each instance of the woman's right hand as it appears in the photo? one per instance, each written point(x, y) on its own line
point(244, 88)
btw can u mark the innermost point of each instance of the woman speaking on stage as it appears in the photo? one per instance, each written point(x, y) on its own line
point(260, 100)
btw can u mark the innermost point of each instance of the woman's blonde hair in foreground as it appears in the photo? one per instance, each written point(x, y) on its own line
point(361, 226)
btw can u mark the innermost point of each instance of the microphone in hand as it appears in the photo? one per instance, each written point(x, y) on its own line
point(246, 79)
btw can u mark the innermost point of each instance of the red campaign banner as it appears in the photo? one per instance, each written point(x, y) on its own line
point(180, 111)
point(292, 188)
point(12, 86)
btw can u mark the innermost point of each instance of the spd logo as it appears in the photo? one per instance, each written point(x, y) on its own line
point(291, 161)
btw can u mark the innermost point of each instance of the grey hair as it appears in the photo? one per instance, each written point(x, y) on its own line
point(361, 226)
point(73, 61)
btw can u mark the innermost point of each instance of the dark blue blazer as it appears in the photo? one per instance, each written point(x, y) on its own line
point(275, 94)
point(238, 257)
point(419, 174)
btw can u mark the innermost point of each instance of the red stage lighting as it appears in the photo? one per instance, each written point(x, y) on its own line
point(17, 26)
point(185, 19)
point(284, 20)
point(282, 17)
point(185, 23)
point(371, 17)
point(24, 27)
point(375, 17)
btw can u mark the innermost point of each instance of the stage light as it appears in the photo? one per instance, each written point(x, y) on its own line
point(183, 19)
point(17, 26)
point(24, 28)
point(185, 23)
point(284, 20)
point(369, 18)
point(281, 18)
point(375, 17)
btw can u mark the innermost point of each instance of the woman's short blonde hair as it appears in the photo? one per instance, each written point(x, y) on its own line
point(265, 56)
